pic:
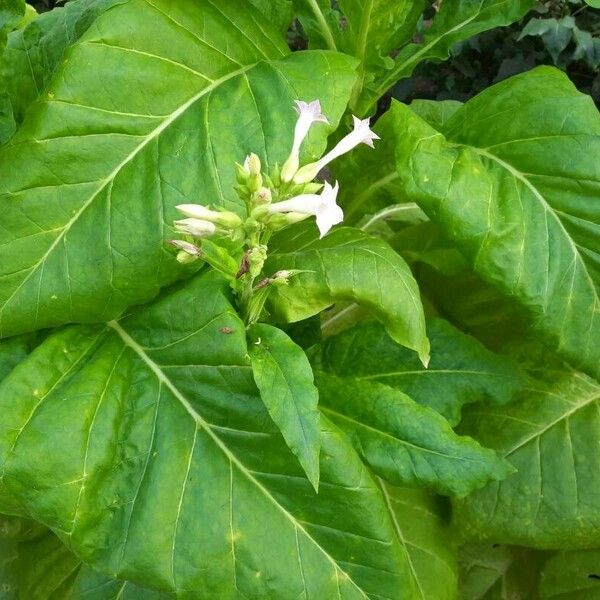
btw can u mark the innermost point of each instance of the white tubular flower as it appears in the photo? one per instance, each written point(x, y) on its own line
point(309, 113)
point(198, 211)
point(195, 227)
point(361, 134)
point(323, 206)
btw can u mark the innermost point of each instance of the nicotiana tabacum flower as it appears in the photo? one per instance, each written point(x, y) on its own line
point(323, 206)
point(271, 201)
point(308, 113)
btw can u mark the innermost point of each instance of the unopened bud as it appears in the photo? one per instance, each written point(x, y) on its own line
point(224, 218)
point(262, 196)
point(281, 220)
point(252, 167)
point(187, 247)
point(256, 260)
point(184, 258)
point(252, 164)
point(282, 277)
point(195, 227)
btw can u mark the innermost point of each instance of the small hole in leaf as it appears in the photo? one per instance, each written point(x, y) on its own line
point(593, 576)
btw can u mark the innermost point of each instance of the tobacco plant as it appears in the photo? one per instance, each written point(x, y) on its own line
point(261, 338)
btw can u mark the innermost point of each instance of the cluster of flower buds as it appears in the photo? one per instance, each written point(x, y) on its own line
point(272, 201)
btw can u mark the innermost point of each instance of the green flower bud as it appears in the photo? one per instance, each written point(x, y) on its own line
point(256, 260)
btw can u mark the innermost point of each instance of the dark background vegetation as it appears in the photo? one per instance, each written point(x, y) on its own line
point(564, 33)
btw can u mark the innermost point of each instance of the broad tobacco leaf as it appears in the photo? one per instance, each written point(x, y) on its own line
point(497, 572)
point(404, 443)
point(111, 150)
point(513, 180)
point(284, 378)
point(36, 565)
point(456, 21)
point(11, 12)
point(420, 522)
point(369, 179)
point(571, 575)
point(551, 435)
point(461, 370)
point(348, 265)
point(34, 53)
point(144, 444)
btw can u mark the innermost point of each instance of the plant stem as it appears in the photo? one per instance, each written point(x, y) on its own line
point(323, 26)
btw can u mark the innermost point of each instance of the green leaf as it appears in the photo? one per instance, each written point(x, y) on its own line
point(496, 572)
point(34, 564)
point(556, 33)
point(593, 3)
point(145, 445)
point(349, 265)
point(550, 434)
point(405, 443)
point(105, 137)
point(373, 29)
point(320, 21)
point(455, 22)
point(11, 12)
point(421, 525)
point(461, 370)
point(278, 12)
point(571, 575)
point(513, 180)
point(13, 351)
point(284, 378)
point(369, 179)
point(91, 585)
point(34, 53)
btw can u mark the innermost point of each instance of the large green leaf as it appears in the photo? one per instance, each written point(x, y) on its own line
point(284, 378)
point(34, 564)
point(420, 523)
point(514, 181)
point(278, 12)
point(551, 435)
point(369, 179)
point(405, 443)
point(573, 575)
point(373, 29)
point(145, 445)
point(456, 21)
point(11, 12)
point(461, 369)
point(496, 572)
point(34, 53)
point(349, 265)
point(112, 149)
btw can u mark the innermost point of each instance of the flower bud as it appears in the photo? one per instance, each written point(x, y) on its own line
point(224, 218)
point(252, 167)
point(262, 196)
point(195, 227)
point(256, 260)
point(281, 277)
point(186, 247)
point(184, 258)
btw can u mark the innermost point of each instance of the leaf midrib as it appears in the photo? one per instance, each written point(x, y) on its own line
point(160, 375)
